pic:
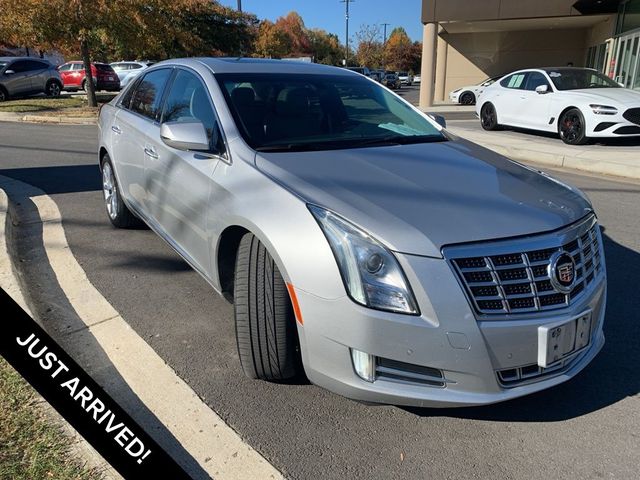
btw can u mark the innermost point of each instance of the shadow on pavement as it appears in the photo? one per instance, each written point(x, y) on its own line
point(59, 179)
point(612, 376)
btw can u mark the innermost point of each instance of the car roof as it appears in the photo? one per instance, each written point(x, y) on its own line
point(257, 65)
point(12, 59)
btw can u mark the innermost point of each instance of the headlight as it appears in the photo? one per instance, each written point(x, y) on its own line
point(456, 91)
point(370, 272)
point(603, 109)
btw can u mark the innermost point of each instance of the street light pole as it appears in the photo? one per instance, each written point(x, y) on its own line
point(346, 17)
point(240, 5)
point(384, 25)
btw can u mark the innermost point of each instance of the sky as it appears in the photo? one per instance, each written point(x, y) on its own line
point(329, 14)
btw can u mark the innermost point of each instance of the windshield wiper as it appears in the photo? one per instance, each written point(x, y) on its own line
point(398, 140)
point(352, 143)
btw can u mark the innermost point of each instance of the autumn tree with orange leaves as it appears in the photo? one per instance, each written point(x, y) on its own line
point(400, 53)
point(154, 29)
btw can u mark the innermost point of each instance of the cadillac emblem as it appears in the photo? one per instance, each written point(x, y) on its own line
point(562, 271)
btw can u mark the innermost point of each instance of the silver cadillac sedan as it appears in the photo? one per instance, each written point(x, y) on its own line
point(362, 245)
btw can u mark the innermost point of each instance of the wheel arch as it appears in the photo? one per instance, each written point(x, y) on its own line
point(565, 110)
point(467, 92)
point(226, 255)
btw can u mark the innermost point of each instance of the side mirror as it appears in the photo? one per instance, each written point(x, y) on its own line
point(542, 89)
point(9, 72)
point(439, 120)
point(185, 135)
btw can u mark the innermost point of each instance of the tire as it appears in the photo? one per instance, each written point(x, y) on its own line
point(118, 213)
point(52, 89)
point(489, 117)
point(572, 127)
point(3, 94)
point(265, 324)
point(468, 98)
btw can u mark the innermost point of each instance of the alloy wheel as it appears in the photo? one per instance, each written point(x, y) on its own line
point(110, 191)
point(53, 90)
point(571, 127)
point(488, 117)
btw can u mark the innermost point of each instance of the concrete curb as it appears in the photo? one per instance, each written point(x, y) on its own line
point(593, 163)
point(31, 118)
point(101, 341)
point(9, 281)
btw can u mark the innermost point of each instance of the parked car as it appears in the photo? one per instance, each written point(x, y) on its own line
point(377, 75)
point(358, 241)
point(73, 76)
point(391, 80)
point(22, 76)
point(361, 70)
point(405, 78)
point(417, 78)
point(128, 70)
point(576, 103)
point(468, 95)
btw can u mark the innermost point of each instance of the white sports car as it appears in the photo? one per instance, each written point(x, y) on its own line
point(577, 103)
point(469, 95)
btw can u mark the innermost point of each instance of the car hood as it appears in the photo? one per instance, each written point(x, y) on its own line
point(418, 198)
point(624, 96)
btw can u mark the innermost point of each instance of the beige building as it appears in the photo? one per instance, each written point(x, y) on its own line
point(466, 41)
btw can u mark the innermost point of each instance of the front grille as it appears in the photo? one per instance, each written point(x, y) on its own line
point(514, 377)
point(633, 115)
point(511, 282)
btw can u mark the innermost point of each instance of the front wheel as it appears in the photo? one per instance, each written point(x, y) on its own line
point(489, 117)
point(572, 128)
point(467, 98)
point(119, 215)
point(265, 323)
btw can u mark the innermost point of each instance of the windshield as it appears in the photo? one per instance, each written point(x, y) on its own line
point(576, 78)
point(3, 64)
point(104, 67)
point(286, 112)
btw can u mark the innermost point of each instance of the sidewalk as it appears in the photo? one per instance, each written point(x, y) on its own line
point(617, 160)
point(29, 117)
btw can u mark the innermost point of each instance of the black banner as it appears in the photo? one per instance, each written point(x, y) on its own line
point(79, 399)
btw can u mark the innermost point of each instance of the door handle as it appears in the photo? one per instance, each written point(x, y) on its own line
point(116, 129)
point(151, 152)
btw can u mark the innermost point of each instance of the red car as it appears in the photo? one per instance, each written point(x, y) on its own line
point(73, 76)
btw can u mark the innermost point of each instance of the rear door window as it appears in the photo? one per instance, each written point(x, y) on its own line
point(147, 97)
point(515, 81)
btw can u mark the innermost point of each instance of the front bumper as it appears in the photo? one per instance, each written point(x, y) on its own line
point(611, 125)
point(447, 336)
point(454, 97)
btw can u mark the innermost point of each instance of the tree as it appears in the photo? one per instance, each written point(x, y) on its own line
point(325, 47)
point(400, 53)
point(370, 51)
point(272, 41)
point(293, 26)
point(154, 29)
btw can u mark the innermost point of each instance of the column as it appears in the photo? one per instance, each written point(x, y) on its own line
point(441, 68)
point(428, 67)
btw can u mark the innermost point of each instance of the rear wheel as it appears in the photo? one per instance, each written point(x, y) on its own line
point(53, 89)
point(572, 128)
point(489, 117)
point(3, 95)
point(467, 98)
point(265, 324)
point(119, 215)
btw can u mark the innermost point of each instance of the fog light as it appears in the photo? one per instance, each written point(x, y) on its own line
point(364, 365)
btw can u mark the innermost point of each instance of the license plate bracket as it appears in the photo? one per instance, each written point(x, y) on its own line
point(559, 340)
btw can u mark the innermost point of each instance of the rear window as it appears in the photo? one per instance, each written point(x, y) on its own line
point(103, 67)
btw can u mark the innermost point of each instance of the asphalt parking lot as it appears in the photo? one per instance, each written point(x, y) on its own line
point(586, 428)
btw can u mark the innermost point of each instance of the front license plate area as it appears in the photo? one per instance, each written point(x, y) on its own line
point(557, 341)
